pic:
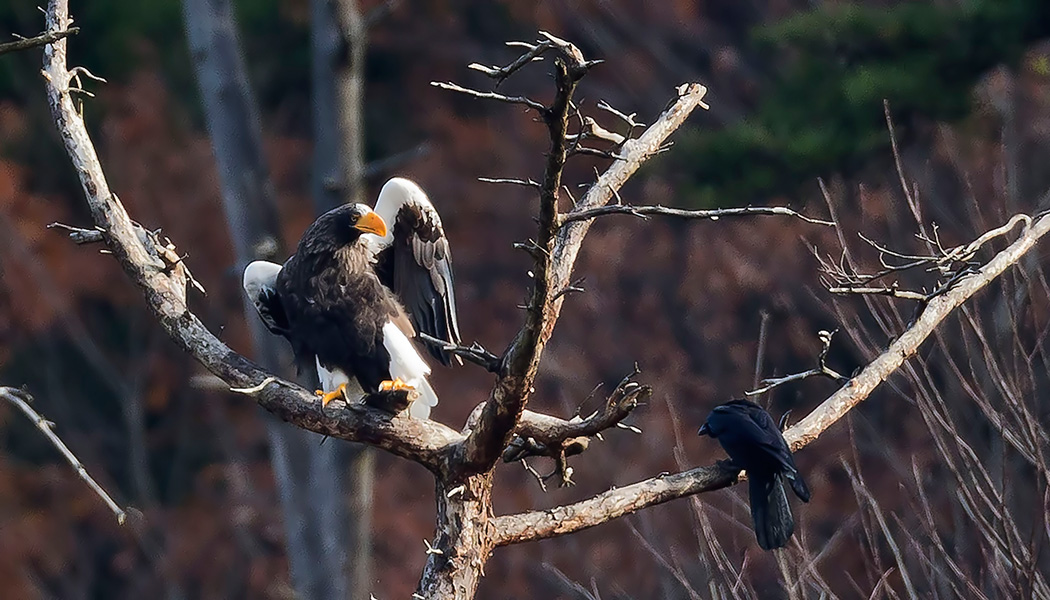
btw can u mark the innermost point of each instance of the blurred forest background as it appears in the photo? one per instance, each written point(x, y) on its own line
point(935, 487)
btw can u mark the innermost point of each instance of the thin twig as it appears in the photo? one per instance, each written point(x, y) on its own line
point(522, 100)
point(821, 370)
point(713, 214)
point(22, 400)
point(40, 40)
point(890, 291)
point(502, 73)
point(80, 235)
point(512, 181)
point(474, 353)
point(628, 119)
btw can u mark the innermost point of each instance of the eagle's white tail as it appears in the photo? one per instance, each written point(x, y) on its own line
point(407, 365)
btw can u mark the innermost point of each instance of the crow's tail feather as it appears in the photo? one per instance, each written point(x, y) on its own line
point(770, 510)
point(799, 486)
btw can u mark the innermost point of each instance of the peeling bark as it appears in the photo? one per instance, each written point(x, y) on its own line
point(463, 541)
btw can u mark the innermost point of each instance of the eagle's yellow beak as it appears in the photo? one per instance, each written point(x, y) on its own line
point(371, 223)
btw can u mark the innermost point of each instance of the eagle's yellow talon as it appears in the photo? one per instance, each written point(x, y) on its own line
point(339, 392)
point(395, 385)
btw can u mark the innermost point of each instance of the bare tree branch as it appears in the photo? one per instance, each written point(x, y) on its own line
point(539, 428)
point(613, 504)
point(40, 40)
point(534, 105)
point(891, 291)
point(533, 53)
point(79, 235)
point(536, 525)
point(22, 400)
point(712, 214)
point(538, 434)
point(512, 181)
point(821, 370)
point(474, 353)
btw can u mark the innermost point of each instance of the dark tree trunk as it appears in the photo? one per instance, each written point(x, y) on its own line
point(337, 45)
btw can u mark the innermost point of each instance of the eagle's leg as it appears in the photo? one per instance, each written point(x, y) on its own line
point(326, 397)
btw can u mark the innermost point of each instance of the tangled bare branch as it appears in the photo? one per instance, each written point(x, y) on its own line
point(543, 435)
point(949, 264)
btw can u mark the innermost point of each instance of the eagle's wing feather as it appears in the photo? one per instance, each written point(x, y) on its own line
point(260, 278)
point(415, 261)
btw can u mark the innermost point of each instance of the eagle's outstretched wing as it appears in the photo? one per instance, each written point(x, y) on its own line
point(414, 260)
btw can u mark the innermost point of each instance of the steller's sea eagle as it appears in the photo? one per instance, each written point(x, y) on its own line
point(336, 299)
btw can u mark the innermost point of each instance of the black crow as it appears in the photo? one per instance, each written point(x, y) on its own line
point(754, 443)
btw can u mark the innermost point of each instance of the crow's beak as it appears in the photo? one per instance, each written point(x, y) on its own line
point(784, 421)
point(705, 430)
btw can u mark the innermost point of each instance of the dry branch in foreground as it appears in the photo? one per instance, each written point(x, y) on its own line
point(22, 400)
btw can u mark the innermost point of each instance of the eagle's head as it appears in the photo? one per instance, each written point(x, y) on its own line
point(343, 225)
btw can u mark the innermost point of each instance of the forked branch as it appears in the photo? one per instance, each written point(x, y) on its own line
point(538, 434)
point(821, 370)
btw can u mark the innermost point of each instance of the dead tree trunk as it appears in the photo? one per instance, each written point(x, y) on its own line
point(308, 473)
point(338, 41)
point(464, 539)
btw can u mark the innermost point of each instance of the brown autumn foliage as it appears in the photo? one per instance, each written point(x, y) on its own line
point(685, 301)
